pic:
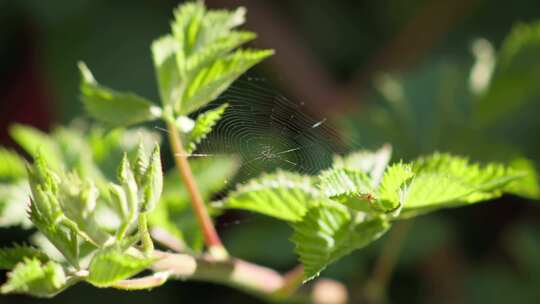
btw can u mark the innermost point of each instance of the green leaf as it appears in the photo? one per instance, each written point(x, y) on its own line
point(528, 186)
point(170, 84)
point(46, 213)
point(14, 200)
point(111, 265)
point(348, 186)
point(112, 107)
point(9, 257)
point(514, 81)
point(442, 180)
point(392, 185)
point(33, 141)
point(373, 163)
point(12, 166)
point(330, 232)
point(34, 278)
point(344, 182)
point(212, 80)
point(283, 195)
point(203, 125)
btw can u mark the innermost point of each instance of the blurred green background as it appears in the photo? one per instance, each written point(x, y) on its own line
point(381, 71)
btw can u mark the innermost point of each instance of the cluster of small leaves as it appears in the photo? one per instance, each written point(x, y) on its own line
point(91, 153)
point(353, 203)
point(65, 208)
point(194, 64)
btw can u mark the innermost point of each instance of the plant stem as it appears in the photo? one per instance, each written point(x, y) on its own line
point(233, 272)
point(291, 281)
point(146, 240)
point(211, 238)
point(375, 289)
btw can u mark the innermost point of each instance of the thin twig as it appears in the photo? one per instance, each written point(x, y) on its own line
point(211, 238)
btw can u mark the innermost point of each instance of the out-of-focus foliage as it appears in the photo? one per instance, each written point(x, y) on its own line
point(483, 111)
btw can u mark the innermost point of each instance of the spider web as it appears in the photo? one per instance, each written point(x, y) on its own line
point(269, 131)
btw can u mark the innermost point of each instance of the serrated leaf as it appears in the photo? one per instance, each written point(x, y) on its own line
point(34, 141)
point(212, 80)
point(373, 163)
point(214, 50)
point(344, 182)
point(111, 265)
point(34, 278)
point(350, 187)
point(203, 126)
point(12, 166)
point(392, 185)
point(112, 107)
point(10, 256)
point(329, 232)
point(283, 195)
point(442, 180)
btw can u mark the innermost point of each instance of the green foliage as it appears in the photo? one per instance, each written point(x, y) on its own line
point(9, 257)
point(442, 180)
point(111, 265)
point(112, 107)
point(286, 196)
point(330, 232)
point(12, 166)
point(198, 62)
point(13, 204)
point(35, 278)
point(513, 82)
point(34, 141)
point(349, 208)
point(174, 213)
point(203, 125)
point(98, 220)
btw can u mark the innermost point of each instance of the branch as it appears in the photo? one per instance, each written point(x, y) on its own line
point(252, 278)
point(211, 238)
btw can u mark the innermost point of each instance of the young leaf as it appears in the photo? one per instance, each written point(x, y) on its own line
point(442, 180)
point(392, 186)
point(350, 187)
point(212, 80)
point(34, 278)
point(330, 232)
point(152, 183)
point(282, 195)
point(33, 141)
point(372, 163)
point(9, 257)
point(12, 166)
point(339, 182)
point(203, 125)
point(112, 107)
point(111, 265)
point(170, 84)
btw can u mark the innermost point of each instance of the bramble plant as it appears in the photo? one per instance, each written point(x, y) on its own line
point(99, 226)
